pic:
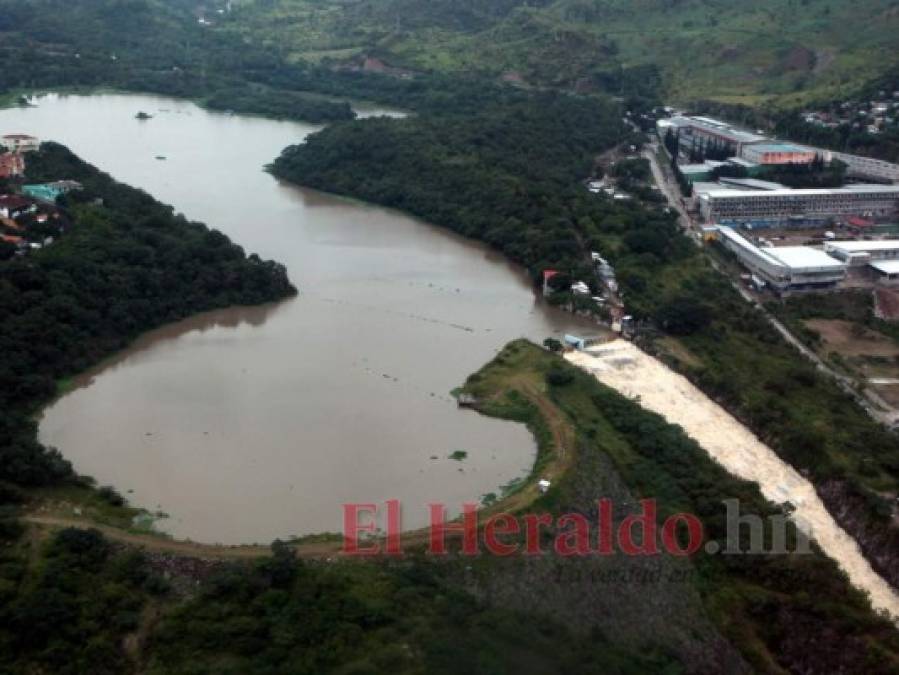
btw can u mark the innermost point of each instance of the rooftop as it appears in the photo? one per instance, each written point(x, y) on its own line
point(695, 168)
point(886, 266)
point(857, 246)
point(780, 147)
point(13, 201)
point(739, 161)
point(809, 192)
point(803, 257)
point(753, 183)
point(718, 127)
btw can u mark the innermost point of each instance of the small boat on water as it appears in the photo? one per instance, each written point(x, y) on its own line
point(161, 157)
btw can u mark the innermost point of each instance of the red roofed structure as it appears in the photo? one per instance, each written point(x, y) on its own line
point(547, 275)
point(11, 165)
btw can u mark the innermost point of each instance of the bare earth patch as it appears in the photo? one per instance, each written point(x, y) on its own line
point(886, 303)
point(849, 339)
point(889, 393)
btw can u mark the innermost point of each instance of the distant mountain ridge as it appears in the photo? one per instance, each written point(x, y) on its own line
point(742, 52)
point(783, 51)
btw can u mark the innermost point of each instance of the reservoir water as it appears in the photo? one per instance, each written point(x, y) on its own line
point(254, 423)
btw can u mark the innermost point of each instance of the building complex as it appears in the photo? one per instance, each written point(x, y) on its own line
point(778, 153)
point(807, 207)
point(758, 150)
point(706, 131)
point(786, 268)
point(867, 168)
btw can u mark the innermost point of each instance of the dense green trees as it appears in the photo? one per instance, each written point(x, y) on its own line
point(79, 604)
point(71, 614)
point(506, 172)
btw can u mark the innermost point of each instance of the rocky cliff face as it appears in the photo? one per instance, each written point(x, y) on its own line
point(879, 544)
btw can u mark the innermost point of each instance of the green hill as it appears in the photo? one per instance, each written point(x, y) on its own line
point(747, 51)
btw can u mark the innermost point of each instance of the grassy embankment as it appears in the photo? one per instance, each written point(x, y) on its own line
point(760, 603)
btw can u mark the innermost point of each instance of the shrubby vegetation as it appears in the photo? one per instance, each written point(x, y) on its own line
point(761, 603)
point(71, 612)
point(79, 604)
point(126, 265)
point(372, 618)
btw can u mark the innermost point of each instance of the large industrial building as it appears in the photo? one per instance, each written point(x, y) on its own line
point(763, 151)
point(706, 130)
point(777, 153)
point(859, 253)
point(865, 167)
point(786, 268)
point(799, 208)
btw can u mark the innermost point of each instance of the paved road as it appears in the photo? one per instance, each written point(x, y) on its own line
point(666, 183)
point(869, 399)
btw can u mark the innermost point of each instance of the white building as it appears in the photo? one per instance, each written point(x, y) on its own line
point(706, 130)
point(778, 153)
point(807, 207)
point(865, 167)
point(786, 268)
point(886, 272)
point(20, 143)
point(859, 253)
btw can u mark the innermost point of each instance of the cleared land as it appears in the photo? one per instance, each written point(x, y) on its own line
point(887, 303)
point(631, 372)
point(852, 339)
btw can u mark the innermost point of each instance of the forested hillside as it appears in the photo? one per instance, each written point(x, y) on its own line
point(144, 45)
point(744, 51)
point(783, 51)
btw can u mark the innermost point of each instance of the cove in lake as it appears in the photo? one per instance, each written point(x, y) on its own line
point(254, 423)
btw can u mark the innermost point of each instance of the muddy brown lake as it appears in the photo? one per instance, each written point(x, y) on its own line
point(255, 423)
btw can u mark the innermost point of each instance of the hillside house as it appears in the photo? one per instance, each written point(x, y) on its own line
point(13, 206)
point(20, 143)
point(12, 165)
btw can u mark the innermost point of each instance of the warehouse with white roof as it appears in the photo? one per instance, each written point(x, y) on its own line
point(786, 268)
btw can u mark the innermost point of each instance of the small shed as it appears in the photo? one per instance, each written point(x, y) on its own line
point(575, 341)
point(466, 400)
